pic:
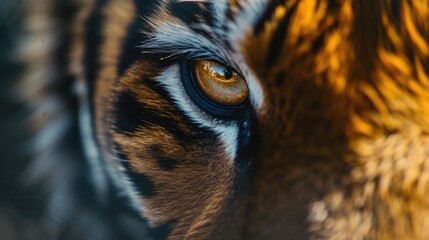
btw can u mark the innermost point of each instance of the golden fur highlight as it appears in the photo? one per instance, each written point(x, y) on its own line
point(375, 117)
point(341, 148)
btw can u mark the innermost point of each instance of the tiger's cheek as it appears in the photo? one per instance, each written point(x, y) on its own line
point(179, 170)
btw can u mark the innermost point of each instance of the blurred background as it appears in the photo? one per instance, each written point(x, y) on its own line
point(45, 183)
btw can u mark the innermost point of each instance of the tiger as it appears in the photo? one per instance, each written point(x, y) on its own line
point(214, 119)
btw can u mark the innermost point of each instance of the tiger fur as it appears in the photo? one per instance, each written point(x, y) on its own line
point(102, 139)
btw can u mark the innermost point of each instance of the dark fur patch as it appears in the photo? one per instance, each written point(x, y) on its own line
point(164, 162)
point(131, 52)
point(143, 183)
point(280, 78)
point(189, 12)
point(128, 113)
point(318, 44)
point(93, 39)
point(277, 41)
point(267, 16)
point(247, 145)
point(162, 231)
point(132, 115)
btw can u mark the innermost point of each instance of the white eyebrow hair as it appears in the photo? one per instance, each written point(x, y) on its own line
point(165, 38)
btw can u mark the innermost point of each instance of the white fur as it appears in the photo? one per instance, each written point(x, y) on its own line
point(91, 149)
point(181, 39)
point(228, 132)
point(100, 163)
point(239, 29)
point(172, 35)
point(220, 8)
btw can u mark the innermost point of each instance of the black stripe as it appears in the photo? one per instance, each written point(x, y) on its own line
point(162, 231)
point(188, 12)
point(128, 113)
point(145, 186)
point(233, 9)
point(395, 8)
point(247, 142)
point(230, 15)
point(65, 13)
point(267, 16)
point(319, 42)
point(164, 162)
point(368, 29)
point(196, 131)
point(277, 42)
point(209, 16)
point(93, 40)
point(191, 13)
point(131, 51)
point(131, 115)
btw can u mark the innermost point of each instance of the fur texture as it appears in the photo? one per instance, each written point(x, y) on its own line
point(333, 143)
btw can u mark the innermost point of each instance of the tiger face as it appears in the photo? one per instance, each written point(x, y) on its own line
point(261, 119)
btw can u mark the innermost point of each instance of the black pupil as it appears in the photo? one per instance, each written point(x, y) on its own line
point(227, 73)
point(223, 72)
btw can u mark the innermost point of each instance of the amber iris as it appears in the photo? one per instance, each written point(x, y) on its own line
point(220, 83)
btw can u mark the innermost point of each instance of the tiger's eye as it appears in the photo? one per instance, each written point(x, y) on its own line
point(220, 84)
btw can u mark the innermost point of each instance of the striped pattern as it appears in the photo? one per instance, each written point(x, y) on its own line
point(334, 140)
point(130, 87)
